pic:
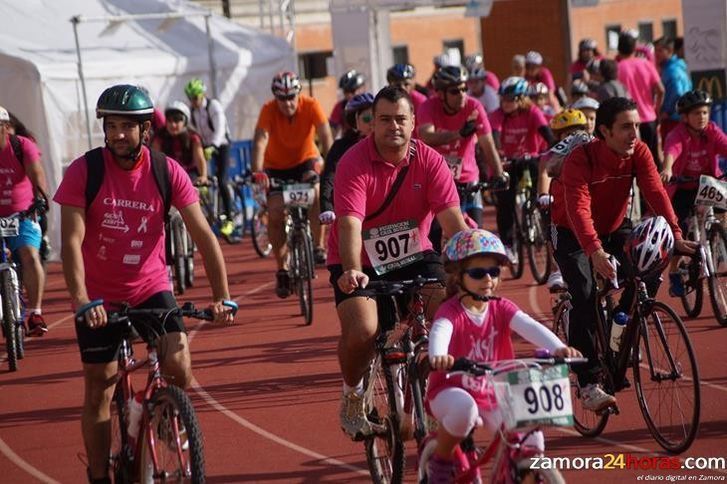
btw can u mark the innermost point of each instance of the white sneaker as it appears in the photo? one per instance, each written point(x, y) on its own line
point(353, 417)
point(555, 281)
point(594, 398)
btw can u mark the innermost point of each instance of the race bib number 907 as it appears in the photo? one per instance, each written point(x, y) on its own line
point(712, 192)
point(392, 246)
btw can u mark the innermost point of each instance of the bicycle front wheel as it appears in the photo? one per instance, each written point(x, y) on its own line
point(718, 279)
point(8, 322)
point(304, 280)
point(538, 253)
point(518, 251)
point(259, 232)
point(189, 261)
point(586, 422)
point(667, 378)
point(180, 266)
point(384, 451)
point(693, 295)
point(119, 464)
point(176, 437)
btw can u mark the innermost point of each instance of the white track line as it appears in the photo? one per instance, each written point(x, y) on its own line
point(259, 430)
point(26, 466)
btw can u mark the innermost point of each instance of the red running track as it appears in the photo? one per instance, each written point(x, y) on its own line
point(267, 392)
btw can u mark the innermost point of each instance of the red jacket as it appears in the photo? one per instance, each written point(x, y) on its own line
point(593, 194)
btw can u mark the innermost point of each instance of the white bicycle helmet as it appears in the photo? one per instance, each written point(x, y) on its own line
point(178, 107)
point(650, 245)
point(585, 103)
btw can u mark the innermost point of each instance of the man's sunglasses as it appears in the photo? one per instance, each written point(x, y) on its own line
point(289, 97)
point(456, 90)
point(480, 272)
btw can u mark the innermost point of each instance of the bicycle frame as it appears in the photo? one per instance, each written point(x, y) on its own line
point(701, 220)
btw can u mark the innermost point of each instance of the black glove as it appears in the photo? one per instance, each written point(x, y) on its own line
point(468, 129)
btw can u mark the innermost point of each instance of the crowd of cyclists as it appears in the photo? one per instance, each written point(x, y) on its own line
point(399, 198)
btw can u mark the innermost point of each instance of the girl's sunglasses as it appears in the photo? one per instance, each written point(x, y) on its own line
point(367, 118)
point(480, 272)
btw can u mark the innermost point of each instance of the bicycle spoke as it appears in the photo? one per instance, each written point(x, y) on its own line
point(717, 252)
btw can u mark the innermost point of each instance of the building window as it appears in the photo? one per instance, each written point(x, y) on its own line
point(612, 32)
point(400, 54)
point(646, 32)
point(450, 45)
point(669, 28)
point(312, 65)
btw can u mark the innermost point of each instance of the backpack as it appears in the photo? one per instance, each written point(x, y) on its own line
point(95, 169)
point(209, 121)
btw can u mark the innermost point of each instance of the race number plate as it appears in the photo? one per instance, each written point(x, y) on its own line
point(299, 194)
point(393, 246)
point(9, 227)
point(535, 397)
point(455, 166)
point(712, 192)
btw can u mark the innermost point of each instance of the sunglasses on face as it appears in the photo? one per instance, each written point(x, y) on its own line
point(480, 272)
point(289, 97)
point(456, 90)
point(366, 118)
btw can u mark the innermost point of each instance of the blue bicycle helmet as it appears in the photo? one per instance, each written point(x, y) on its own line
point(400, 72)
point(359, 102)
point(514, 87)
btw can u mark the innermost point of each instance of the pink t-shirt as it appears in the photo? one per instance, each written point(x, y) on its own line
point(364, 179)
point(417, 100)
point(492, 80)
point(639, 77)
point(490, 342)
point(123, 249)
point(18, 192)
point(460, 151)
point(695, 154)
point(519, 134)
point(544, 76)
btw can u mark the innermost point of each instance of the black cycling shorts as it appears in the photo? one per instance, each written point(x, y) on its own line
point(295, 173)
point(101, 345)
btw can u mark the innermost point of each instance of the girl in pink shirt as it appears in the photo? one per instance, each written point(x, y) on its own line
point(475, 324)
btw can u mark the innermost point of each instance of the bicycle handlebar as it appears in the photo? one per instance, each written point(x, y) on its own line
point(465, 365)
point(394, 288)
point(494, 185)
point(279, 182)
point(122, 315)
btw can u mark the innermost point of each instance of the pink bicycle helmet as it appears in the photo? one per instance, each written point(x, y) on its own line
point(468, 243)
point(650, 245)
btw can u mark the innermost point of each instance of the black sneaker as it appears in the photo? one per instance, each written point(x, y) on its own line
point(282, 283)
point(319, 256)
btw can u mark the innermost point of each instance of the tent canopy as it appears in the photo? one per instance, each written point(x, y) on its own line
point(40, 78)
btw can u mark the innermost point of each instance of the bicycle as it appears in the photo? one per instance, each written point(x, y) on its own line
point(711, 261)
point(297, 198)
point(259, 222)
point(181, 252)
point(169, 443)
point(210, 198)
point(12, 306)
point(395, 384)
point(531, 393)
point(656, 346)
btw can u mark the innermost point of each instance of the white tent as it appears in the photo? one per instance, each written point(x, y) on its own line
point(39, 76)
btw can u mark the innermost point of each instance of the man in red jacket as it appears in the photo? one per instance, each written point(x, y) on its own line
point(589, 215)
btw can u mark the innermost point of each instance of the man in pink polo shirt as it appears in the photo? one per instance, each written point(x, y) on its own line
point(23, 171)
point(113, 251)
point(453, 123)
point(365, 179)
point(642, 81)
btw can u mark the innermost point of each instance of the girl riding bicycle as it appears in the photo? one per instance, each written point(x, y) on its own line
point(181, 142)
point(690, 150)
point(475, 324)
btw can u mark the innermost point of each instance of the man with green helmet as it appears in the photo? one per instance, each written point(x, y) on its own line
point(113, 240)
point(209, 120)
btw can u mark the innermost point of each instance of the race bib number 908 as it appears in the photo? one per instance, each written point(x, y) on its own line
point(392, 246)
point(712, 192)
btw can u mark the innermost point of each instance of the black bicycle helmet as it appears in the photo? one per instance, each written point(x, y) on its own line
point(125, 100)
point(351, 81)
point(400, 72)
point(449, 76)
point(693, 99)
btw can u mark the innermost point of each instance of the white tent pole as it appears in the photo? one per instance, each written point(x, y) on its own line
point(75, 20)
point(210, 48)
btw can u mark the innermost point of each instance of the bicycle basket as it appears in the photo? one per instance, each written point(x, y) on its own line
point(534, 397)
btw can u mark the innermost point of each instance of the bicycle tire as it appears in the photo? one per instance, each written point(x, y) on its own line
point(586, 422)
point(20, 340)
point(417, 387)
point(693, 297)
point(538, 251)
point(8, 320)
point(179, 257)
point(239, 202)
point(305, 276)
point(119, 462)
point(166, 402)
point(189, 261)
point(384, 453)
point(654, 335)
point(716, 281)
point(259, 232)
point(517, 268)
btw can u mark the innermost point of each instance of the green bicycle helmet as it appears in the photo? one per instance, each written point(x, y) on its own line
point(195, 88)
point(125, 100)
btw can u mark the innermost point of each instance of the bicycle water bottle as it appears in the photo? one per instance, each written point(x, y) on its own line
point(134, 410)
point(620, 319)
